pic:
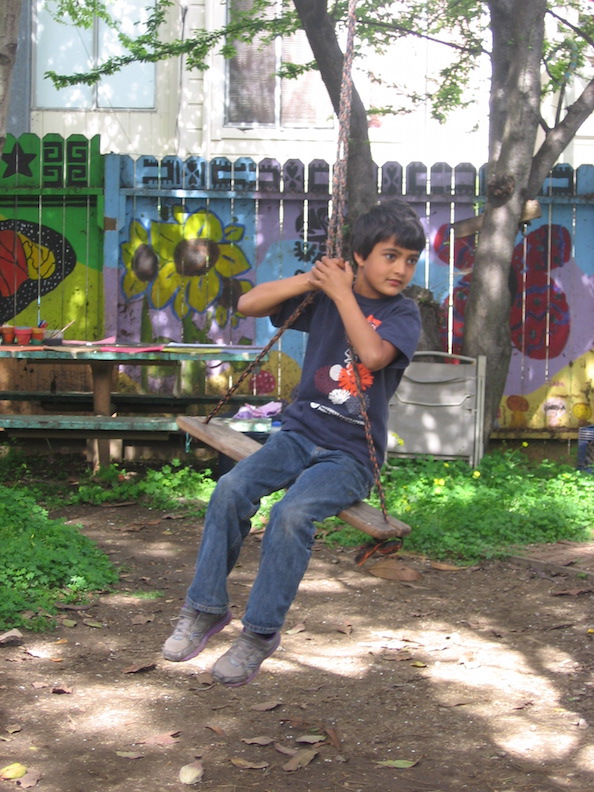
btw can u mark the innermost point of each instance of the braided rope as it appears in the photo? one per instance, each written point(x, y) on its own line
point(336, 227)
point(335, 238)
point(334, 248)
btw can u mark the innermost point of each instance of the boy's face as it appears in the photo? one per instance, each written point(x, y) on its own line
point(387, 270)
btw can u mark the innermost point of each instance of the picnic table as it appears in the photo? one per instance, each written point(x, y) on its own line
point(101, 358)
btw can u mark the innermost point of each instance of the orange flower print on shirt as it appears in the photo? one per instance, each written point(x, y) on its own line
point(347, 382)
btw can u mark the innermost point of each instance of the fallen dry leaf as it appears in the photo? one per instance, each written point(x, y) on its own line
point(575, 592)
point(90, 623)
point(168, 738)
point(245, 764)
point(59, 690)
point(14, 728)
point(257, 740)
point(140, 619)
point(347, 629)
point(312, 739)
point(300, 760)
point(401, 764)
point(333, 737)
point(204, 679)
point(216, 729)
point(13, 771)
point(392, 569)
point(265, 706)
point(137, 669)
point(30, 779)
point(192, 773)
point(298, 628)
point(130, 754)
point(439, 565)
point(12, 638)
point(284, 749)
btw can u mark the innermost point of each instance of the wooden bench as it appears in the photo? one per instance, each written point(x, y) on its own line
point(221, 436)
point(86, 425)
point(124, 402)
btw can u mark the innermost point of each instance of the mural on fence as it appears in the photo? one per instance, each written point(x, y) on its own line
point(551, 374)
point(184, 239)
point(50, 239)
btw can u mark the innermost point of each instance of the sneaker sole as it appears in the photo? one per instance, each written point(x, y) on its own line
point(276, 643)
point(216, 628)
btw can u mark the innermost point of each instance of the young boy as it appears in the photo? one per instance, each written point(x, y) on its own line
point(321, 455)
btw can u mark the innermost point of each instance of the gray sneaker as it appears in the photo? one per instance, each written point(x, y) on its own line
point(240, 664)
point(192, 632)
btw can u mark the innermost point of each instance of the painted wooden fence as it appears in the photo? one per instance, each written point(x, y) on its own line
point(157, 250)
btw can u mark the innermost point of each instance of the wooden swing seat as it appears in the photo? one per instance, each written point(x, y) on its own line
point(223, 438)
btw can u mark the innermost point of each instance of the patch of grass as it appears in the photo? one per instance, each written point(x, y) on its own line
point(460, 513)
point(455, 513)
point(171, 486)
point(43, 561)
point(147, 595)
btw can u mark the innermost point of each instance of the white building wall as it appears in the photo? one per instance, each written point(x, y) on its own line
point(189, 113)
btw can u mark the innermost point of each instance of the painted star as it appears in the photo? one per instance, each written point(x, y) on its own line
point(17, 161)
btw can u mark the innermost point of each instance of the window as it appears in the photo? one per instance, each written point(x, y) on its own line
point(66, 49)
point(257, 96)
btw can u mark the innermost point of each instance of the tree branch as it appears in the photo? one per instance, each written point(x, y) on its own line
point(578, 31)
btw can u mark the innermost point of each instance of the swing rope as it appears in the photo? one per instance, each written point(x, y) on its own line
point(334, 248)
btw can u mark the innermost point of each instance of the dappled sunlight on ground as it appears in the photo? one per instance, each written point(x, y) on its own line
point(480, 679)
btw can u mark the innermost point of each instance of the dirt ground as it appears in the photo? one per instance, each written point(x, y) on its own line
point(478, 679)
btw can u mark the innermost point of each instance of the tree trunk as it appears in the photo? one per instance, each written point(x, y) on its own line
point(361, 178)
point(10, 12)
point(518, 33)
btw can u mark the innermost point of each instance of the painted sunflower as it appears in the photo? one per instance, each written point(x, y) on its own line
point(188, 265)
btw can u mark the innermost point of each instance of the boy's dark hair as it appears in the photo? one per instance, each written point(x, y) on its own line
point(393, 218)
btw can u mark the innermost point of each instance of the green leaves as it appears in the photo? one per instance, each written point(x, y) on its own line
point(40, 559)
point(457, 512)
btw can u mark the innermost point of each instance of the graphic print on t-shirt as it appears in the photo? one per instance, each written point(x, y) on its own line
point(338, 384)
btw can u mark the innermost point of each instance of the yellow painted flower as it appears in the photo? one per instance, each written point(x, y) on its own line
point(188, 265)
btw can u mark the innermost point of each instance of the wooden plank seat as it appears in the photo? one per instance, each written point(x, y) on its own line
point(223, 438)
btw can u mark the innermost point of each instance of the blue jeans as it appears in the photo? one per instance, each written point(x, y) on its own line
point(320, 484)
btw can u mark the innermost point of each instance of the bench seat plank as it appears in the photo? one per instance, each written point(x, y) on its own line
point(234, 444)
point(88, 423)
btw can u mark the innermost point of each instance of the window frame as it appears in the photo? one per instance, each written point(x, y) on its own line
point(95, 103)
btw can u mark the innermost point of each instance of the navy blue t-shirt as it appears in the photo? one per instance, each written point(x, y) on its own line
point(327, 409)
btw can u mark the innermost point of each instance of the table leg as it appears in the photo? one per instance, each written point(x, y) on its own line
point(101, 371)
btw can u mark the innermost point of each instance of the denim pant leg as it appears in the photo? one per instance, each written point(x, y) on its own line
point(234, 502)
point(333, 482)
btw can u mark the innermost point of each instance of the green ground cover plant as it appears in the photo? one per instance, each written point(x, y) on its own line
point(456, 512)
point(43, 561)
point(468, 514)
